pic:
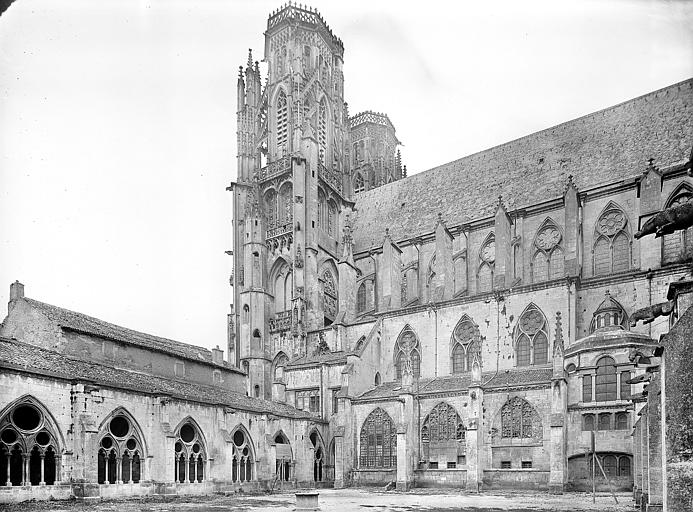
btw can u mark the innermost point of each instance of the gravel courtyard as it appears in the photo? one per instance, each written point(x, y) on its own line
point(348, 500)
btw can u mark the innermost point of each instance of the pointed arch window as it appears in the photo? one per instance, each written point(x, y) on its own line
point(606, 381)
point(329, 296)
point(284, 456)
point(407, 348)
point(243, 458)
point(189, 454)
point(378, 441)
point(443, 436)
point(29, 450)
point(676, 247)
point(359, 183)
point(331, 218)
point(611, 251)
point(322, 210)
point(365, 298)
point(487, 255)
point(466, 345)
point(548, 260)
point(282, 123)
point(520, 420)
point(280, 362)
point(120, 452)
point(531, 338)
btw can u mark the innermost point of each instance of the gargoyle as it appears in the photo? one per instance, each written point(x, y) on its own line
point(667, 221)
point(649, 313)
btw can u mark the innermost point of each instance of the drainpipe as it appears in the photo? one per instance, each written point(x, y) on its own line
point(649, 277)
point(498, 296)
point(432, 307)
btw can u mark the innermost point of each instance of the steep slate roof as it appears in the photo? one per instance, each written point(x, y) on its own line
point(32, 359)
point(606, 146)
point(449, 383)
point(80, 322)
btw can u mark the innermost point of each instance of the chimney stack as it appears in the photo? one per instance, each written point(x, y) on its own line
point(218, 355)
point(16, 291)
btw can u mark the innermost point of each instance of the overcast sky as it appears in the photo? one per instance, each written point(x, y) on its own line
point(117, 123)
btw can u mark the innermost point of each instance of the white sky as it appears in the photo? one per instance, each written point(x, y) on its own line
point(117, 123)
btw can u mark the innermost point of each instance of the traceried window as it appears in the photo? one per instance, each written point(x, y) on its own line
point(243, 458)
point(466, 345)
point(676, 247)
point(190, 458)
point(548, 261)
point(605, 385)
point(29, 451)
point(443, 436)
point(282, 123)
point(520, 420)
point(378, 441)
point(407, 350)
point(120, 452)
point(329, 295)
point(531, 337)
point(611, 242)
point(359, 183)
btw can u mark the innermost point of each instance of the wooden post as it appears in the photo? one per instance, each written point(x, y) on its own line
point(594, 458)
point(608, 480)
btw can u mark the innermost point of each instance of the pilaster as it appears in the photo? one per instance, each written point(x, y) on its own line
point(474, 438)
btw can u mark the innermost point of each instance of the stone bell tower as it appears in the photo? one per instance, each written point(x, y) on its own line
point(292, 194)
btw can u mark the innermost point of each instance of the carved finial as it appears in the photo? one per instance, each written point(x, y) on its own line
point(404, 171)
point(558, 346)
point(250, 58)
point(240, 72)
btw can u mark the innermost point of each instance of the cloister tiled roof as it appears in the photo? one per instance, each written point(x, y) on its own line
point(28, 358)
point(89, 325)
point(607, 146)
point(451, 383)
point(338, 357)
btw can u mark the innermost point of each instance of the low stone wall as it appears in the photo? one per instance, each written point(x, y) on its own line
point(91, 491)
point(516, 479)
point(365, 477)
point(440, 478)
point(18, 493)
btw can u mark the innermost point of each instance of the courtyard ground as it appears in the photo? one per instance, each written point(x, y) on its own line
point(349, 500)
